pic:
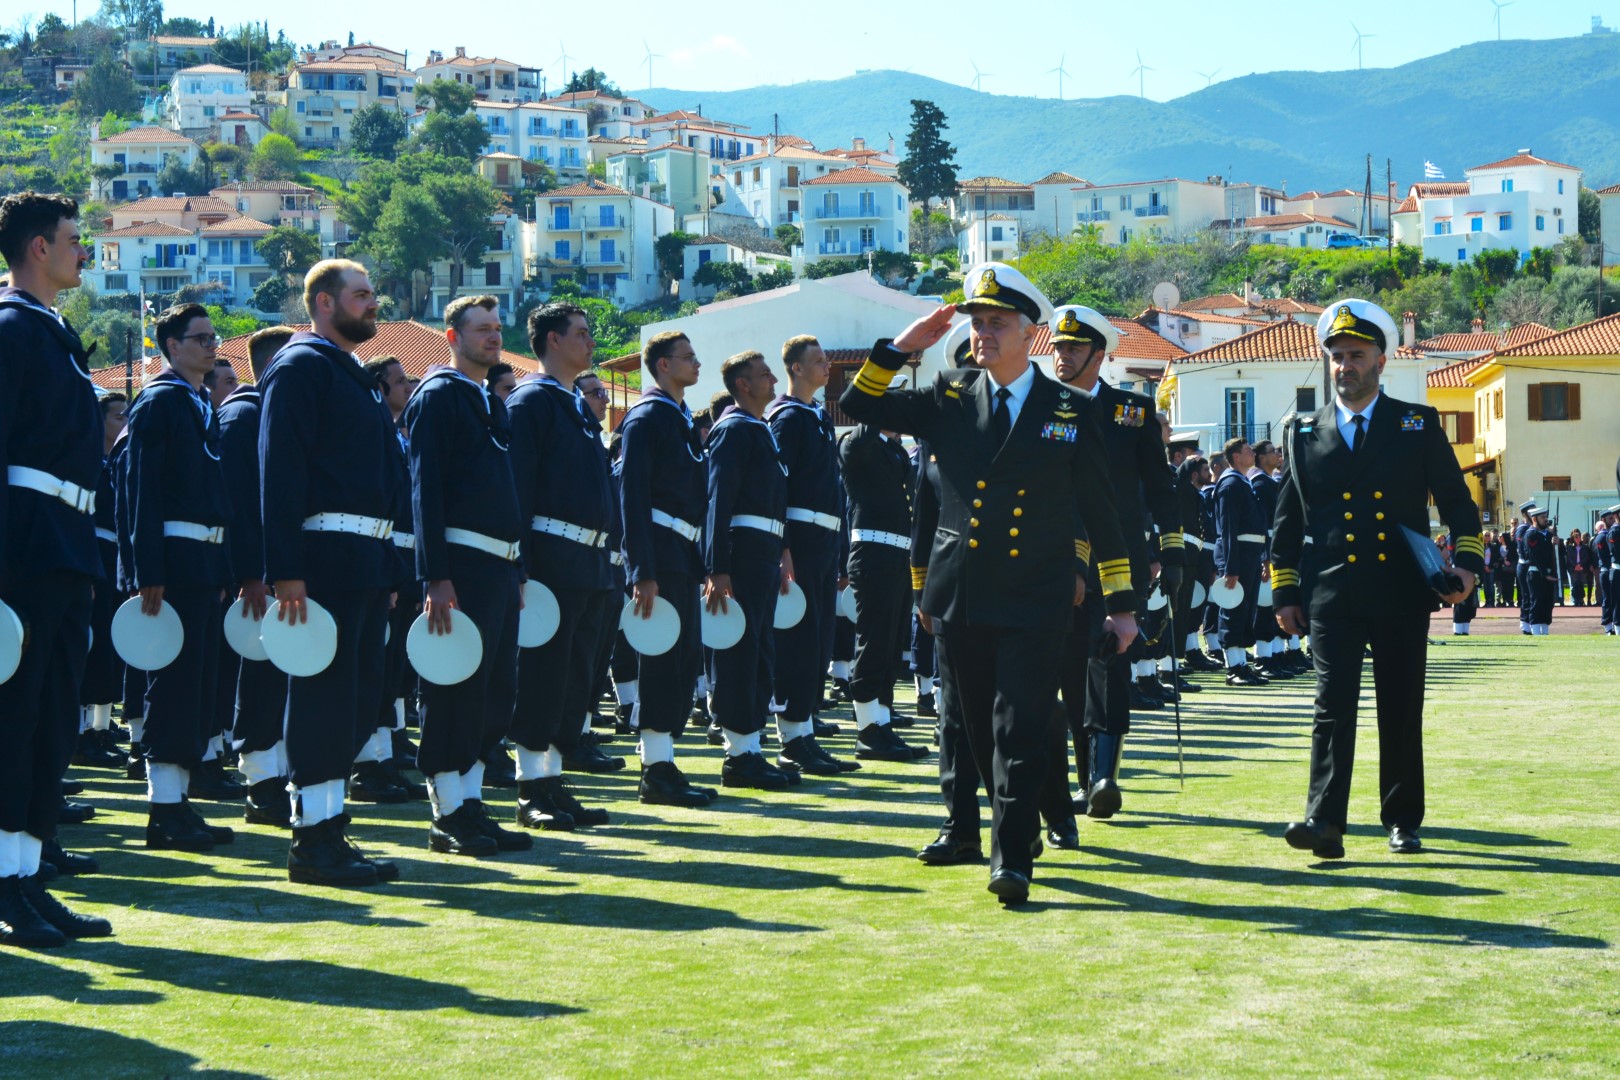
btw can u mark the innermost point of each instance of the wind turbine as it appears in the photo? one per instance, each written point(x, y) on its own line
point(564, 61)
point(1059, 72)
point(1141, 74)
point(1357, 46)
point(1209, 76)
point(979, 76)
point(651, 56)
point(1499, 5)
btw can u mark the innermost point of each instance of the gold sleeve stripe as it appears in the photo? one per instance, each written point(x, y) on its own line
point(1172, 540)
point(1281, 578)
point(1082, 551)
point(873, 379)
point(1119, 581)
point(919, 577)
point(1470, 545)
point(1114, 566)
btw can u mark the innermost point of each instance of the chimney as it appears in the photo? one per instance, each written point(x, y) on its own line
point(857, 143)
point(1248, 294)
point(891, 146)
point(95, 130)
point(1478, 327)
point(461, 51)
point(1409, 329)
point(770, 144)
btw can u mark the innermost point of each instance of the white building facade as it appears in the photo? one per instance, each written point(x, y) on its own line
point(603, 236)
point(1520, 203)
point(854, 211)
point(199, 96)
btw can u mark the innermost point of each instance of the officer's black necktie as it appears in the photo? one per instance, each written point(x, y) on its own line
point(1001, 419)
point(1361, 430)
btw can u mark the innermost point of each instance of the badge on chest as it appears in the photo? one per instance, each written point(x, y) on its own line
point(1058, 431)
point(1412, 422)
point(1130, 415)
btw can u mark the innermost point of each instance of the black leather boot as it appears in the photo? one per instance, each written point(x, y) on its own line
point(1103, 796)
point(537, 807)
point(319, 857)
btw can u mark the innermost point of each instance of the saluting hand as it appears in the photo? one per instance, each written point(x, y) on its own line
point(926, 330)
point(441, 600)
point(292, 602)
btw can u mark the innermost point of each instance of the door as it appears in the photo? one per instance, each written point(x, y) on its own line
point(1240, 412)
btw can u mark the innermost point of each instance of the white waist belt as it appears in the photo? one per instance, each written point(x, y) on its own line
point(107, 535)
point(810, 517)
point(577, 533)
point(763, 524)
point(405, 540)
point(682, 528)
point(616, 558)
point(501, 549)
point(190, 530)
point(1251, 538)
point(81, 499)
point(877, 536)
point(1192, 541)
point(359, 525)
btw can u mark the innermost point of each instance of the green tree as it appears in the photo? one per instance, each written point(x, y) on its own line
point(230, 161)
point(102, 175)
point(1497, 266)
point(289, 250)
point(184, 27)
point(408, 236)
point(451, 128)
point(789, 236)
point(466, 201)
point(929, 168)
point(1589, 215)
point(775, 278)
point(591, 79)
point(106, 87)
point(177, 178)
point(447, 96)
point(378, 131)
point(277, 158)
point(140, 19)
point(730, 277)
point(283, 124)
point(669, 251)
point(112, 124)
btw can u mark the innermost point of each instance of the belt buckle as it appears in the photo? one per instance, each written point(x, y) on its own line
point(75, 496)
point(377, 526)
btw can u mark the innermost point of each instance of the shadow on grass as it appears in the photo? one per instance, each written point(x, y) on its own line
point(43, 1048)
point(305, 980)
point(234, 903)
point(774, 845)
point(1134, 862)
point(1354, 924)
point(596, 909)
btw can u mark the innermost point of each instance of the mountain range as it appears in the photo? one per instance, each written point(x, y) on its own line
point(1299, 129)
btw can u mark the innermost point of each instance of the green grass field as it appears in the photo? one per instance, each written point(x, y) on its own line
point(796, 933)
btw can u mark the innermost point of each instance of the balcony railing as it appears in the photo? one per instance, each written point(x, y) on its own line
point(847, 247)
point(1085, 216)
point(154, 262)
point(1248, 432)
point(1155, 210)
point(867, 210)
point(140, 167)
point(542, 131)
point(598, 225)
point(789, 218)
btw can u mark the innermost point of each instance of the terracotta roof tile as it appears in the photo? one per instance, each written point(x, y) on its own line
point(856, 175)
point(1292, 221)
point(1518, 160)
point(1213, 301)
point(1612, 189)
point(177, 204)
point(1279, 341)
point(1136, 342)
point(990, 182)
point(280, 187)
point(145, 228)
point(209, 69)
point(1058, 178)
point(146, 135)
point(196, 42)
point(238, 226)
point(582, 190)
point(1409, 205)
point(1212, 317)
point(1445, 189)
point(417, 345)
point(1452, 375)
point(1600, 337)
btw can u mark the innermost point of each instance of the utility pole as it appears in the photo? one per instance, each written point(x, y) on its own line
point(1389, 218)
point(1366, 201)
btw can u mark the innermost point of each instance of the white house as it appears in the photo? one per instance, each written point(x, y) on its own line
point(499, 272)
point(1344, 204)
point(324, 95)
point(141, 153)
point(1296, 230)
point(1165, 209)
point(982, 196)
point(602, 235)
point(1245, 201)
point(227, 258)
point(491, 78)
point(770, 184)
point(679, 176)
point(1053, 204)
point(989, 238)
point(199, 96)
point(847, 313)
point(610, 117)
point(538, 131)
point(1609, 224)
point(275, 202)
point(1518, 203)
point(722, 141)
point(1247, 386)
point(242, 129)
point(707, 249)
point(853, 211)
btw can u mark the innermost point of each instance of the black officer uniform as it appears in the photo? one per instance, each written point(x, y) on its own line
point(50, 455)
point(1265, 618)
point(1541, 575)
point(566, 499)
point(179, 516)
point(1001, 578)
point(1187, 618)
point(663, 498)
point(1240, 542)
point(1339, 554)
point(1521, 569)
point(469, 532)
point(815, 537)
point(260, 690)
point(923, 666)
point(329, 479)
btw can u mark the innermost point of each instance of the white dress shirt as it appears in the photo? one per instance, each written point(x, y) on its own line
point(1347, 425)
point(1018, 388)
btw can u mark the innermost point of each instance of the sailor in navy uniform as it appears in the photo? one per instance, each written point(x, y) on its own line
point(592, 399)
point(747, 565)
point(1020, 461)
point(565, 501)
point(50, 451)
point(1521, 566)
point(178, 518)
point(815, 523)
point(1605, 567)
point(1540, 543)
point(329, 479)
point(469, 532)
point(259, 690)
point(103, 670)
point(1355, 474)
point(663, 494)
point(878, 482)
point(1240, 543)
point(1096, 687)
point(1269, 645)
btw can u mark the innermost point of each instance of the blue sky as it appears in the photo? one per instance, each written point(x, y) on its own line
point(732, 46)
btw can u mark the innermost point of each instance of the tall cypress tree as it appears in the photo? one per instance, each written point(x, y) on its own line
point(929, 168)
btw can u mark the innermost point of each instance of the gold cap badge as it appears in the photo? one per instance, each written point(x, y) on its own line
point(988, 286)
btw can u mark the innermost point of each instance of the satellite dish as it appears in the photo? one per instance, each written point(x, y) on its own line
point(1166, 297)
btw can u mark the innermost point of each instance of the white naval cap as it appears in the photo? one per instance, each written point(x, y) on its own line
point(957, 348)
point(1360, 319)
point(1076, 322)
point(997, 285)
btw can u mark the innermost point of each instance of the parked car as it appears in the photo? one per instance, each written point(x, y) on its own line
point(1343, 240)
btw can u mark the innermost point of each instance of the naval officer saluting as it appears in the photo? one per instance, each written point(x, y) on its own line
point(1020, 462)
point(1354, 475)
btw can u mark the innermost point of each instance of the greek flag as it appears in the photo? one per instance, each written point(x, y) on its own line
point(1431, 171)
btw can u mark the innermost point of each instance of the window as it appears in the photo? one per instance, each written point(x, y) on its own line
point(610, 252)
point(1504, 222)
point(1459, 426)
point(1541, 223)
point(1496, 404)
point(109, 255)
point(309, 132)
point(1560, 226)
point(1462, 254)
point(1507, 185)
point(868, 238)
point(1305, 399)
point(1560, 187)
point(978, 202)
point(1476, 224)
point(1555, 483)
point(604, 217)
point(995, 232)
point(562, 249)
point(1124, 202)
point(116, 283)
point(1555, 401)
point(492, 273)
point(756, 174)
point(704, 255)
point(300, 107)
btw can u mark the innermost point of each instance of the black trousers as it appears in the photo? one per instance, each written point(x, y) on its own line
point(331, 715)
point(1237, 624)
point(181, 704)
point(1096, 690)
point(741, 677)
point(881, 578)
point(39, 704)
point(103, 670)
point(261, 706)
point(1487, 582)
point(668, 679)
point(922, 648)
point(959, 778)
point(804, 650)
point(1542, 589)
point(1607, 590)
point(461, 723)
point(1399, 646)
point(399, 678)
point(1521, 578)
point(556, 681)
point(1007, 681)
